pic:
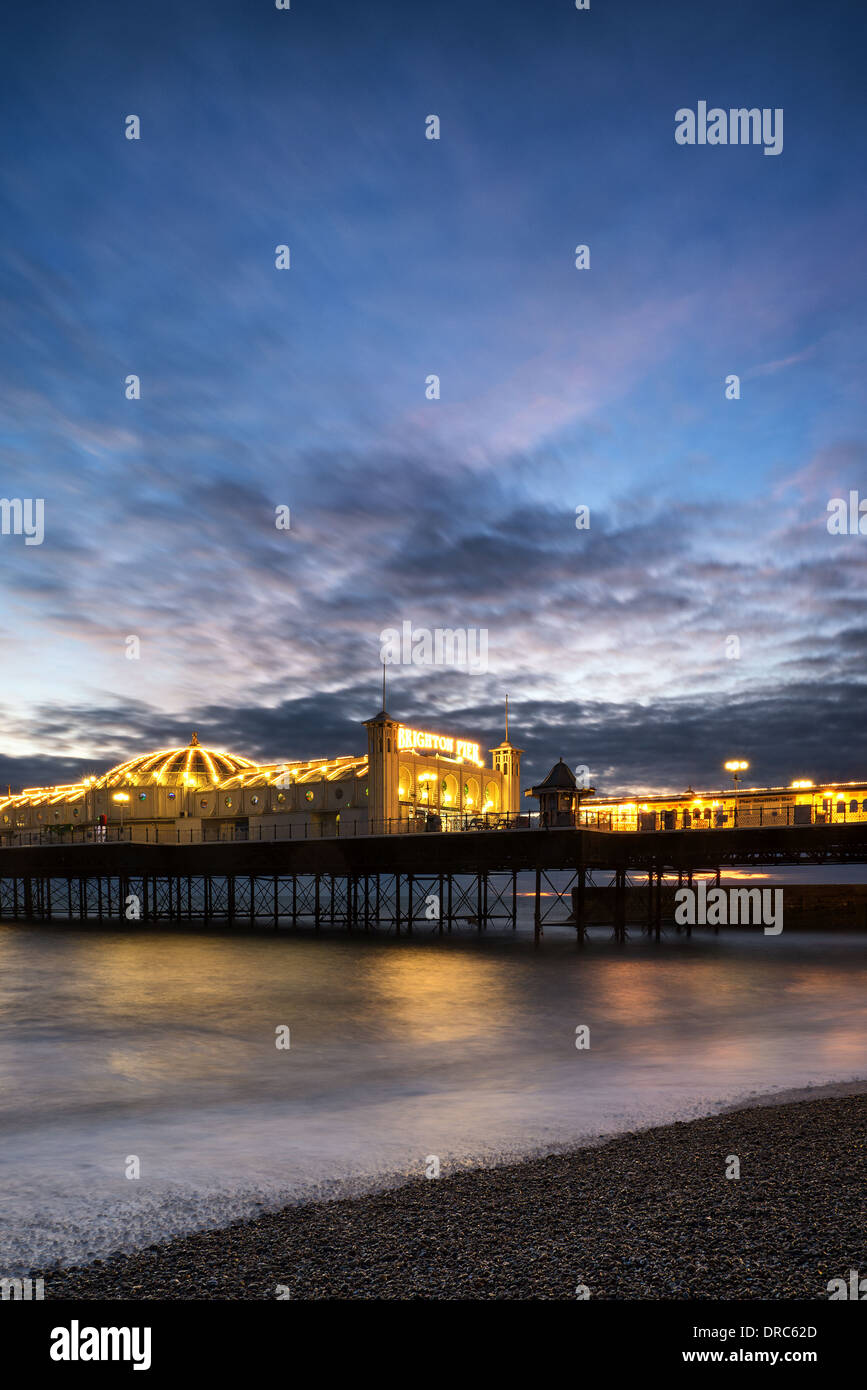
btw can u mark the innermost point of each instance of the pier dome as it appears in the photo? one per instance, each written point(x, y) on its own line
point(193, 766)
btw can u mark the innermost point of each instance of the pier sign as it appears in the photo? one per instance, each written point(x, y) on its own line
point(438, 743)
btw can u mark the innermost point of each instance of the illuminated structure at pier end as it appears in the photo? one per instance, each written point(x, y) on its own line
point(563, 803)
point(800, 803)
point(409, 779)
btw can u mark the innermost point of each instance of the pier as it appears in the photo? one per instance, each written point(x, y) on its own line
point(437, 882)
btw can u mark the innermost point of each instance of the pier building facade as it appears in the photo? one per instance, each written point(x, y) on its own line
point(800, 803)
point(409, 779)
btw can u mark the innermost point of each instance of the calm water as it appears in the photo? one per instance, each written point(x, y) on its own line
point(162, 1045)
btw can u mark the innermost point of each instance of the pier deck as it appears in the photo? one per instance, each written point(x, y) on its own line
point(393, 881)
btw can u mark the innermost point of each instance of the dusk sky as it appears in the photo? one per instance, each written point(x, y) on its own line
point(560, 387)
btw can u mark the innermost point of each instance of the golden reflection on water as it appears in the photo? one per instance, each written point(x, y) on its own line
point(439, 996)
point(638, 992)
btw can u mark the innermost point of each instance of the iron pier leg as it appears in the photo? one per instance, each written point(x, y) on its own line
point(620, 904)
point(579, 899)
point(689, 885)
point(537, 916)
point(658, 912)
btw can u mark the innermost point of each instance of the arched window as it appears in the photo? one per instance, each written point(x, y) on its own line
point(450, 790)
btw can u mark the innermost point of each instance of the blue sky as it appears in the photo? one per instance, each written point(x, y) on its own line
point(558, 387)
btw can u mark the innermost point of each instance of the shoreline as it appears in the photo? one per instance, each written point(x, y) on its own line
point(649, 1214)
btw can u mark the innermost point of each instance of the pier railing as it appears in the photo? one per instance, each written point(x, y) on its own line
point(443, 823)
point(232, 833)
point(744, 818)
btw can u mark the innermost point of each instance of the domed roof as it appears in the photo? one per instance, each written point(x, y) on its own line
point(192, 766)
point(560, 778)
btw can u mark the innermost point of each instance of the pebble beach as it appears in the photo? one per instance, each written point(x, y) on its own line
point(647, 1215)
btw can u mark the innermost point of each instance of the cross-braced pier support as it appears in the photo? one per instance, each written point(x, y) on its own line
point(403, 903)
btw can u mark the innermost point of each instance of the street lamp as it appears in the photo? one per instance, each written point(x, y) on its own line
point(736, 766)
point(121, 798)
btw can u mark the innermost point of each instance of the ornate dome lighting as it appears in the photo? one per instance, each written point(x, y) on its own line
point(193, 766)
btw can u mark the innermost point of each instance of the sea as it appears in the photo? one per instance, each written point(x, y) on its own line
point(158, 1081)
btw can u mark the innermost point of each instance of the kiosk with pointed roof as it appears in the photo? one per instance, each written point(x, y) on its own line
point(559, 796)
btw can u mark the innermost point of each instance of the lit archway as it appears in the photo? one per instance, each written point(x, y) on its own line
point(492, 797)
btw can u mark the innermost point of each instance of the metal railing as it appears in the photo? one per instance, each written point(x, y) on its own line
point(232, 833)
point(744, 818)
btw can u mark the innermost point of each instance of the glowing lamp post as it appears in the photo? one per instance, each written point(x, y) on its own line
point(121, 798)
point(736, 766)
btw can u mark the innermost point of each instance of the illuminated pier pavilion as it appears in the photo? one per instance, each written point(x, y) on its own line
point(408, 780)
point(800, 803)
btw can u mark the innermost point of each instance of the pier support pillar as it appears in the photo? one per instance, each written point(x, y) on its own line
point(579, 905)
point(658, 914)
point(620, 904)
point(537, 914)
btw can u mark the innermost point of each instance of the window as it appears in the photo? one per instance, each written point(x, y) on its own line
point(853, 805)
